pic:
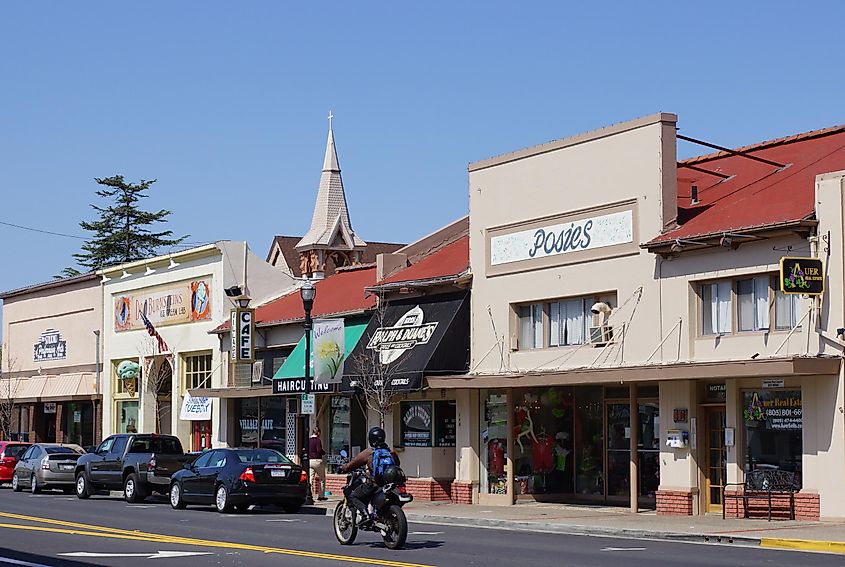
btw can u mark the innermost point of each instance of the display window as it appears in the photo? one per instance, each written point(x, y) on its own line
point(347, 429)
point(494, 442)
point(127, 416)
point(773, 423)
point(260, 422)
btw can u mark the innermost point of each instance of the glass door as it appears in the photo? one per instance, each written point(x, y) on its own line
point(493, 485)
point(618, 450)
point(715, 457)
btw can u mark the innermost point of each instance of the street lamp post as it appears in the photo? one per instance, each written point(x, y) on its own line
point(308, 292)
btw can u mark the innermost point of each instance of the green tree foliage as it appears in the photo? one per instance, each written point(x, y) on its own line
point(67, 273)
point(123, 232)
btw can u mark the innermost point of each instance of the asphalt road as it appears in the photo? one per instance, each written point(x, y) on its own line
point(55, 529)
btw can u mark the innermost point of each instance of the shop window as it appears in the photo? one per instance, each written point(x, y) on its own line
point(127, 416)
point(494, 442)
point(531, 326)
point(773, 421)
point(278, 361)
point(752, 296)
point(123, 385)
point(196, 371)
point(716, 308)
point(260, 422)
point(569, 321)
point(415, 426)
point(787, 310)
point(561, 322)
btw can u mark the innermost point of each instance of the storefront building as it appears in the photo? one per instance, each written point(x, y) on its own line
point(157, 317)
point(51, 361)
point(630, 340)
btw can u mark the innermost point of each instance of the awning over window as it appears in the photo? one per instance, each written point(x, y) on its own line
point(411, 339)
point(294, 365)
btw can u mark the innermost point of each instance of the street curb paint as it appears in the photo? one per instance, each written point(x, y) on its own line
point(803, 544)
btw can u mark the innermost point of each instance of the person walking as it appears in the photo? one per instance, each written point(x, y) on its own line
point(315, 462)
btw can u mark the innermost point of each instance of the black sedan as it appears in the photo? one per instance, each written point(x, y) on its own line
point(232, 479)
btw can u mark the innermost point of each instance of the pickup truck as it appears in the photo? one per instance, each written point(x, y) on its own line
point(136, 463)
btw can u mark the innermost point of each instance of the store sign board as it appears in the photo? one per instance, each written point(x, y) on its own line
point(777, 410)
point(416, 424)
point(168, 304)
point(802, 275)
point(195, 408)
point(329, 350)
point(243, 331)
point(589, 233)
point(49, 407)
point(297, 386)
point(773, 383)
point(50, 346)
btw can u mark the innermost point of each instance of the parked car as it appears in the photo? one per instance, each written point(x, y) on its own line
point(46, 465)
point(139, 464)
point(9, 453)
point(235, 478)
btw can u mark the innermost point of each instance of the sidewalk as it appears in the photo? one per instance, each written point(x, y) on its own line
point(619, 522)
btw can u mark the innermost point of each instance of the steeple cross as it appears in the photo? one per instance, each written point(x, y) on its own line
point(330, 119)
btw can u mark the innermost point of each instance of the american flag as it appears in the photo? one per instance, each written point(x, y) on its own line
point(162, 346)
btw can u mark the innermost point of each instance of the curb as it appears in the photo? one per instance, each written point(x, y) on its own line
point(574, 529)
point(803, 544)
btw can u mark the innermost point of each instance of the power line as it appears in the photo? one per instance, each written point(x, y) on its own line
point(42, 231)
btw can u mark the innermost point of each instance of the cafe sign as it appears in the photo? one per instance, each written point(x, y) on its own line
point(802, 275)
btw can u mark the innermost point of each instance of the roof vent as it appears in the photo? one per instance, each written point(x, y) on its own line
point(694, 195)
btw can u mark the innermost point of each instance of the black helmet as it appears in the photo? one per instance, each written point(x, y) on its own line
point(376, 436)
point(393, 475)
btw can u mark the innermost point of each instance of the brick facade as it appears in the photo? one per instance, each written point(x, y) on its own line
point(461, 492)
point(674, 503)
point(428, 489)
point(807, 507)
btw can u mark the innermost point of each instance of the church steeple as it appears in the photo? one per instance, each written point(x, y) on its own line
point(331, 238)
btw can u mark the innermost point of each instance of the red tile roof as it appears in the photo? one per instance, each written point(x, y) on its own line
point(451, 260)
point(342, 292)
point(756, 195)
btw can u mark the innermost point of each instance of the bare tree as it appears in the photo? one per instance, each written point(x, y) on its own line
point(158, 380)
point(8, 392)
point(373, 369)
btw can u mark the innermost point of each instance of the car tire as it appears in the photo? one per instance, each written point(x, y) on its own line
point(292, 507)
point(133, 492)
point(83, 486)
point(16, 483)
point(222, 502)
point(176, 500)
point(33, 484)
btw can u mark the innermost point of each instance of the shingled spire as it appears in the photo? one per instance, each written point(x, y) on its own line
point(330, 242)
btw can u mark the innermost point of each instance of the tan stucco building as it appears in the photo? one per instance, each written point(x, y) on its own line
point(51, 360)
point(611, 281)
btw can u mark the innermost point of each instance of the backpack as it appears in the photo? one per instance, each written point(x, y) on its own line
point(381, 460)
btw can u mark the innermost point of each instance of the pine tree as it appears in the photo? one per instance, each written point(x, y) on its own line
point(122, 233)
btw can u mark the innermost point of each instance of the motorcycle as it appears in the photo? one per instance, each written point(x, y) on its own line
point(385, 506)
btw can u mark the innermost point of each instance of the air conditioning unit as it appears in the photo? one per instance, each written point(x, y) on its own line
point(257, 371)
point(601, 335)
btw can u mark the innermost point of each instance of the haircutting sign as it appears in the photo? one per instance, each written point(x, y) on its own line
point(560, 238)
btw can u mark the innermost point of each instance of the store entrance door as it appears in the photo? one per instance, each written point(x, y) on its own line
point(715, 456)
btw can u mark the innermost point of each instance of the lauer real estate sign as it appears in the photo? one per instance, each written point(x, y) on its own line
point(566, 237)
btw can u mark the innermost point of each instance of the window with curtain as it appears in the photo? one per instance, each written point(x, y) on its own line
point(753, 304)
point(787, 310)
point(716, 308)
point(531, 326)
point(569, 320)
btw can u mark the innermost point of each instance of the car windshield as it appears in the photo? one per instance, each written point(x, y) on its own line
point(56, 450)
point(166, 445)
point(261, 456)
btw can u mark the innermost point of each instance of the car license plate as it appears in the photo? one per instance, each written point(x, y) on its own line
point(66, 467)
point(278, 473)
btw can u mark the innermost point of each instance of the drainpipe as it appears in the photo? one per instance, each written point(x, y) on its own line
point(97, 360)
point(97, 420)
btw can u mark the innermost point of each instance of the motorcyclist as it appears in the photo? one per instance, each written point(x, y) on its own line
point(361, 495)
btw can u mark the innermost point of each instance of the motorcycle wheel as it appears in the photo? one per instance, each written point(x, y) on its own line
point(398, 533)
point(345, 529)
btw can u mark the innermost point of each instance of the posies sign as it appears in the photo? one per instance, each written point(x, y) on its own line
point(560, 240)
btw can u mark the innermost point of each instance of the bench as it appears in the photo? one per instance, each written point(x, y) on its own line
point(762, 483)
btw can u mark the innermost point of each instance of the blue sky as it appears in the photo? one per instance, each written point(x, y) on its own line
point(226, 103)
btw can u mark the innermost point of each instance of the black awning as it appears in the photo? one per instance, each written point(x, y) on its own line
point(410, 339)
